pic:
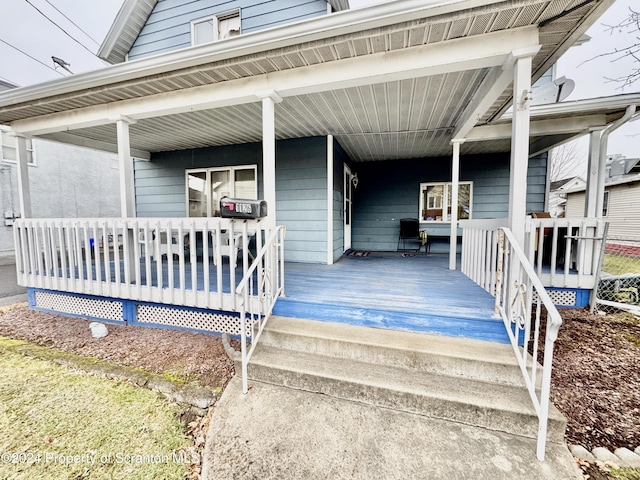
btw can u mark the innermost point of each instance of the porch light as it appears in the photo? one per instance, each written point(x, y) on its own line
point(355, 180)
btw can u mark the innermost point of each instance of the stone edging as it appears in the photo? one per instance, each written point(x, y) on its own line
point(194, 396)
point(621, 457)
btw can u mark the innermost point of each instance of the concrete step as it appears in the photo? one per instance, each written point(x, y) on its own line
point(466, 381)
point(460, 357)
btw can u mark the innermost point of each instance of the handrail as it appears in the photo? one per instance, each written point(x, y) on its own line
point(268, 267)
point(516, 294)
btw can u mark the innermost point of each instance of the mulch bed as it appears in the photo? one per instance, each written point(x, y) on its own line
point(192, 356)
point(596, 378)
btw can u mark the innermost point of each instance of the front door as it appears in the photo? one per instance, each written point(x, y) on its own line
point(348, 185)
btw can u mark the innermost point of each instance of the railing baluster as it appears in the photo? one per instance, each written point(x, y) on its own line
point(116, 229)
point(134, 255)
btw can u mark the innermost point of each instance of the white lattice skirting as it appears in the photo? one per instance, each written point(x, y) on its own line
point(560, 298)
point(126, 311)
point(191, 319)
point(80, 306)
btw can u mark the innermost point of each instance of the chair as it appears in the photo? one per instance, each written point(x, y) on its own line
point(230, 246)
point(409, 230)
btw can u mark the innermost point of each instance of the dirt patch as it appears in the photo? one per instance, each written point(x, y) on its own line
point(179, 355)
point(596, 379)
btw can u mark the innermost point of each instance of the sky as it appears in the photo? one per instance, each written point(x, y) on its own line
point(23, 26)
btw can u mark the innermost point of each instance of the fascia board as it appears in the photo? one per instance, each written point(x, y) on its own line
point(583, 105)
point(117, 28)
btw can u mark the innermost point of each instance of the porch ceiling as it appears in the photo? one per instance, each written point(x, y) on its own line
point(404, 118)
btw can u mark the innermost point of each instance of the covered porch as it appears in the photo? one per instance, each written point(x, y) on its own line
point(410, 79)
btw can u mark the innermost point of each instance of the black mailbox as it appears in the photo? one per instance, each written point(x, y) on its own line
point(242, 208)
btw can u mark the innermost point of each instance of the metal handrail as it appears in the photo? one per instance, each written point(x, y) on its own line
point(268, 266)
point(516, 294)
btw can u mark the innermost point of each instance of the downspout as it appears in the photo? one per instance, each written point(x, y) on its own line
point(602, 158)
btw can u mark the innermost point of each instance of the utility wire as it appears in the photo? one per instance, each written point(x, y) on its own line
point(32, 58)
point(74, 23)
point(63, 30)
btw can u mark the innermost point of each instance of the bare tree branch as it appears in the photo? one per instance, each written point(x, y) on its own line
point(567, 161)
point(632, 51)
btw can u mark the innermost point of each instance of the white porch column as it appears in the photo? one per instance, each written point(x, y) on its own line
point(127, 194)
point(127, 188)
point(329, 199)
point(24, 191)
point(519, 146)
point(455, 181)
point(269, 99)
point(593, 175)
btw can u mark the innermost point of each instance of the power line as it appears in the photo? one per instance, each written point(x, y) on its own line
point(63, 30)
point(32, 58)
point(74, 23)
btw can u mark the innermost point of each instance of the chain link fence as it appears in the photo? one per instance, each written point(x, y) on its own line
point(619, 285)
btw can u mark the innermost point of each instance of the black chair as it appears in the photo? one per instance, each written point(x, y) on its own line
point(409, 231)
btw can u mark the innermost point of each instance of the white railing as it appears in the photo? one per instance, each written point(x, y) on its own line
point(263, 282)
point(480, 251)
point(177, 261)
point(565, 252)
point(518, 292)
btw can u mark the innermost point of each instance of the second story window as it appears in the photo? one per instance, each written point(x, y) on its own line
point(216, 27)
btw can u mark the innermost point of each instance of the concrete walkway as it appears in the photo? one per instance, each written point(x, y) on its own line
point(277, 432)
point(10, 291)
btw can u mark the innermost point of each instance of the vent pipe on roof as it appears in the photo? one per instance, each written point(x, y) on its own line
point(602, 159)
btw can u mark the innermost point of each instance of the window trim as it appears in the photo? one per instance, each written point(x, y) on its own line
point(30, 148)
point(216, 23)
point(208, 171)
point(605, 203)
point(445, 200)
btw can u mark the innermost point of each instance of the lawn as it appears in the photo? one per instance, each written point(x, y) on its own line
point(615, 264)
point(57, 423)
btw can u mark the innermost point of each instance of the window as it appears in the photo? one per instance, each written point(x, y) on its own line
point(605, 203)
point(206, 186)
point(435, 201)
point(216, 27)
point(8, 149)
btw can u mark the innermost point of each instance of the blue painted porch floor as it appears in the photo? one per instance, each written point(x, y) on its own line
point(387, 290)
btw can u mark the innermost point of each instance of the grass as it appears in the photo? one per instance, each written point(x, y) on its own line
point(625, 473)
point(619, 264)
point(56, 423)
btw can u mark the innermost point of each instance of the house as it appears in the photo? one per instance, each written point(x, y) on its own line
point(557, 194)
point(621, 199)
point(344, 122)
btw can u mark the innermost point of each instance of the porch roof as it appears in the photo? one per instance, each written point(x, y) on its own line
point(397, 80)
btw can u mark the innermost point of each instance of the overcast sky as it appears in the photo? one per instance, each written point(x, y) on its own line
point(23, 27)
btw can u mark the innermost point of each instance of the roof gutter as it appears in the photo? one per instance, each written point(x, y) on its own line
point(602, 159)
point(581, 106)
point(341, 23)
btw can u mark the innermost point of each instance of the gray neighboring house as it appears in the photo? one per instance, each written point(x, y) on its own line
point(65, 181)
point(621, 206)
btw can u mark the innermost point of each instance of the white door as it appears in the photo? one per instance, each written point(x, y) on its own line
point(348, 185)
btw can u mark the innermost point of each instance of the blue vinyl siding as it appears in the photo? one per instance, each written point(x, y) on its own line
point(169, 25)
point(301, 195)
point(301, 188)
point(389, 191)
